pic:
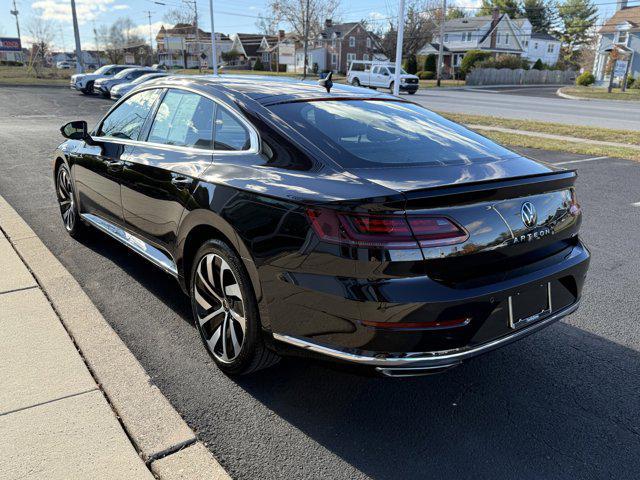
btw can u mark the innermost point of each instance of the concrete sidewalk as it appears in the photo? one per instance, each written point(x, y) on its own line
point(74, 401)
point(55, 421)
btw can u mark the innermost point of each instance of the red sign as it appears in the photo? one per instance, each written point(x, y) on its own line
point(10, 45)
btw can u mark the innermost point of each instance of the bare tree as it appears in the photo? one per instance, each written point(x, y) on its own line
point(293, 13)
point(419, 26)
point(42, 33)
point(180, 15)
point(268, 24)
point(120, 36)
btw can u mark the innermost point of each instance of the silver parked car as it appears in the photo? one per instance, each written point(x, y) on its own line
point(84, 82)
point(124, 88)
point(104, 85)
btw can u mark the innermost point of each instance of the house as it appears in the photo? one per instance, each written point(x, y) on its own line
point(248, 47)
point(622, 33)
point(496, 33)
point(338, 44)
point(537, 45)
point(185, 46)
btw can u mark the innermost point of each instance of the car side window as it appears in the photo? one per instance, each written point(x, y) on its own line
point(127, 119)
point(374, 70)
point(229, 133)
point(183, 119)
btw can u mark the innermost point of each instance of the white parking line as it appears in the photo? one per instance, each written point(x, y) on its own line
point(581, 160)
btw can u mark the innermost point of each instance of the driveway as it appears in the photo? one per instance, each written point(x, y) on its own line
point(561, 404)
point(533, 104)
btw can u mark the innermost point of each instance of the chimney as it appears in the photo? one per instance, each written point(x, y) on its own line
point(622, 4)
point(280, 35)
point(328, 23)
point(495, 18)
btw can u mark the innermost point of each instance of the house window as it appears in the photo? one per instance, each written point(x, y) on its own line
point(506, 38)
point(550, 48)
point(350, 57)
point(368, 42)
point(352, 42)
point(466, 37)
point(333, 43)
point(446, 37)
point(498, 37)
point(365, 57)
point(526, 43)
point(535, 45)
point(334, 59)
point(622, 36)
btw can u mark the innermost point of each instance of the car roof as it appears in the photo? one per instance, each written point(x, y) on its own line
point(269, 90)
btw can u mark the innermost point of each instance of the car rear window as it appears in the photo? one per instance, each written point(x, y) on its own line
point(370, 133)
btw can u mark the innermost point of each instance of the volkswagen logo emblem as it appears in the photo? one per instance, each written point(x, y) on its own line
point(528, 214)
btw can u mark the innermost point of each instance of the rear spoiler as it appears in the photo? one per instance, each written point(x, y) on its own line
point(490, 190)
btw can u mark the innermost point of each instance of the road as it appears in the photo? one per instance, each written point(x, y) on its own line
point(562, 404)
point(533, 104)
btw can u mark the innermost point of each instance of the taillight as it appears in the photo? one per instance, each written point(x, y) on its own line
point(388, 231)
point(574, 206)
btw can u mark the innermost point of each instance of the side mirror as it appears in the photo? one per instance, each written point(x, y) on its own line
point(326, 82)
point(77, 130)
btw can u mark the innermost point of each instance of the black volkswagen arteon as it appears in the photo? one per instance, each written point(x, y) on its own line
point(346, 224)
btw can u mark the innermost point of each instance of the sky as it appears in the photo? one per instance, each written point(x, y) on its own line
point(230, 15)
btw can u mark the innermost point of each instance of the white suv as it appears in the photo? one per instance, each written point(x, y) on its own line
point(83, 82)
point(380, 75)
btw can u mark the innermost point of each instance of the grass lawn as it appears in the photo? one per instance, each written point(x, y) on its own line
point(591, 133)
point(514, 140)
point(601, 93)
point(24, 75)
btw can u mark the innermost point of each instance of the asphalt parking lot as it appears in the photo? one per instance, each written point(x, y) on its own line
point(564, 403)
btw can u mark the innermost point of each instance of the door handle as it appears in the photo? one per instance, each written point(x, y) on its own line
point(115, 164)
point(181, 181)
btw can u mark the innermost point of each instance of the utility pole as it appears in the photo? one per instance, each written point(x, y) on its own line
point(76, 33)
point(214, 52)
point(195, 21)
point(443, 16)
point(14, 12)
point(400, 39)
point(306, 38)
point(150, 36)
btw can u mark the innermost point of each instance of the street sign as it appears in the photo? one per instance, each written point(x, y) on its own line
point(10, 44)
point(203, 56)
point(620, 68)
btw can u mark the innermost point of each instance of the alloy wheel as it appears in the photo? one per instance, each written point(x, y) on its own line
point(66, 199)
point(220, 308)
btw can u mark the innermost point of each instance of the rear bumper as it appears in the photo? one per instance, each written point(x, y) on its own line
point(407, 364)
point(361, 329)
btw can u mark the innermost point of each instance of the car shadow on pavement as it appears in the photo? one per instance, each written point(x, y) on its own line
point(560, 404)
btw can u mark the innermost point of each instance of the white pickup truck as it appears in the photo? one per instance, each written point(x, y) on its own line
point(380, 75)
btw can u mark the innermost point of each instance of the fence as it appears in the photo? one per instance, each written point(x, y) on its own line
point(506, 76)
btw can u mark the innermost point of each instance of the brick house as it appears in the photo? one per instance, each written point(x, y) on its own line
point(183, 46)
point(342, 43)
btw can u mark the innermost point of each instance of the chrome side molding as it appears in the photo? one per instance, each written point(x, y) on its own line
point(151, 253)
point(422, 362)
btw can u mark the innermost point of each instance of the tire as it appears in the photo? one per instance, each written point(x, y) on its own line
point(412, 92)
point(88, 90)
point(355, 82)
point(67, 202)
point(225, 311)
point(391, 87)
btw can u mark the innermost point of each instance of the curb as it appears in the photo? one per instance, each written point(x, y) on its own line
point(162, 438)
point(39, 85)
point(561, 94)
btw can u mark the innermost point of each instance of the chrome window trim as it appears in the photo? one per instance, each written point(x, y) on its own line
point(254, 137)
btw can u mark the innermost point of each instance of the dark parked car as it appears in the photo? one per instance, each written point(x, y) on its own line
point(351, 225)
